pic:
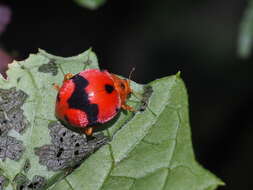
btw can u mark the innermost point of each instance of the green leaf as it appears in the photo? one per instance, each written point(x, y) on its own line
point(37, 83)
point(91, 4)
point(245, 39)
point(149, 150)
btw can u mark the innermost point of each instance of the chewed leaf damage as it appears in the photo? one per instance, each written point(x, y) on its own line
point(11, 148)
point(11, 117)
point(68, 148)
point(50, 67)
point(11, 114)
point(145, 97)
point(3, 182)
point(23, 183)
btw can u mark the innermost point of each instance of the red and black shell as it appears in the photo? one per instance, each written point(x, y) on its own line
point(91, 97)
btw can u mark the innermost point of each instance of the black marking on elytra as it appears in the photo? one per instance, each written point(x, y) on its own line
point(79, 99)
point(117, 110)
point(109, 88)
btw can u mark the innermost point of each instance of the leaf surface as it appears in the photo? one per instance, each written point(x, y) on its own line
point(150, 149)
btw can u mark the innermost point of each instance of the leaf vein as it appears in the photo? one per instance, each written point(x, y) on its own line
point(69, 184)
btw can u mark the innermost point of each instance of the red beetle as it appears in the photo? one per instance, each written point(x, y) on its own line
point(91, 97)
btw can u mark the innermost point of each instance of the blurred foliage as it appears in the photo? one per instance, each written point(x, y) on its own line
point(91, 4)
point(245, 39)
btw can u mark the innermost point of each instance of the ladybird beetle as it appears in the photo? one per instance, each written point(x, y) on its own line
point(91, 97)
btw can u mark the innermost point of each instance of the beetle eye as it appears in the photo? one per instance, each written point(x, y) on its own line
point(122, 86)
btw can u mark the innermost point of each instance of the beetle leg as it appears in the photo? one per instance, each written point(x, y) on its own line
point(127, 107)
point(88, 131)
point(68, 76)
point(56, 87)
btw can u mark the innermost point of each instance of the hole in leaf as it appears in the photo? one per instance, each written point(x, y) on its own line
point(50, 67)
point(60, 152)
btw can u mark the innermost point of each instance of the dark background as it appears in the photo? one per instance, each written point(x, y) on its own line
point(199, 38)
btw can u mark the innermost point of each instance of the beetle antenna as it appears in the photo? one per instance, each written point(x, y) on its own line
point(137, 95)
point(131, 72)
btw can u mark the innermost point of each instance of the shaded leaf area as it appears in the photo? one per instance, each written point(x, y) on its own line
point(68, 148)
point(151, 150)
point(27, 166)
point(29, 88)
point(147, 92)
point(50, 67)
point(90, 4)
point(3, 182)
point(11, 117)
point(245, 39)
